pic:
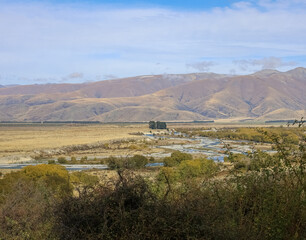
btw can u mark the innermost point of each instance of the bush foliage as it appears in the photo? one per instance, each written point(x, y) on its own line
point(135, 162)
point(176, 158)
point(291, 135)
point(186, 200)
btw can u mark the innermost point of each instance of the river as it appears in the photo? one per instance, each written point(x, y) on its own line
point(211, 147)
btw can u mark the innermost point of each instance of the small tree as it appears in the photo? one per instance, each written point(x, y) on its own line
point(62, 160)
point(161, 125)
point(152, 125)
point(176, 158)
point(157, 125)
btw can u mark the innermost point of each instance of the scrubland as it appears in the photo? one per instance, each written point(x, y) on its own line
point(257, 195)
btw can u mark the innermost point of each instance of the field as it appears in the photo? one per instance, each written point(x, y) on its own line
point(24, 140)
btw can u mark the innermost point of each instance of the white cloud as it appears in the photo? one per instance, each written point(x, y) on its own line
point(52, 40)
point(75, 75)
point(264, 63)
point(109, 76)
point(242, 4)
point(202, 66)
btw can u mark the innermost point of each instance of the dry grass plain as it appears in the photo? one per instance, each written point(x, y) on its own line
point(223, 124)
point(20, 142)
point(23, 139)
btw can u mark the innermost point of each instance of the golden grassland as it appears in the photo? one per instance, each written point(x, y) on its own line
point(28, 138)
point(223, 124)
point(23, 139)
point(22, 142)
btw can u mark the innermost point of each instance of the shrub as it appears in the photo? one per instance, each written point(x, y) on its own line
point(239, 165)
point(62, 160)
point(114, 163)
point(176, 158)
point(268, 202)
point(27, 211)
point(170, 162)
point(133, 147)
point(84, 158)
point(196, 168)
point(135, 162)
point(27, 198)
point(56, 177)
point(83, 178)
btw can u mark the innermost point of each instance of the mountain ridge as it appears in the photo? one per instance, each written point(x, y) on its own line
point(267, 94)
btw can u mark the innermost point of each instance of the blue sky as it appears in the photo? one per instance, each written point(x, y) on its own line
point(77, 41)
point(173, 4)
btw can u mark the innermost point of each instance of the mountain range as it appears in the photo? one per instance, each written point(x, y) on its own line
point(264, 95)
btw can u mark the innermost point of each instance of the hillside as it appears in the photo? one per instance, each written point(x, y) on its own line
point(267, 94)
point(125, 87)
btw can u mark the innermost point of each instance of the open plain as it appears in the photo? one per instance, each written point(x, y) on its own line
point(27, 142)
point(21, 141)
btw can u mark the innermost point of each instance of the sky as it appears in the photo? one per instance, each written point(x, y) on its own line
point(70, 41)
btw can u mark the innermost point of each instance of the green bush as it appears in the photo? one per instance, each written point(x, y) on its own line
point(62, 160)
point(83, 159)
point(267, 202)
point(196, 168)
point(27, 212)
point(176, 158)
point(240, 165)
point(114, 163)
point(135, 162)
point(27, 198)
point(83, 178)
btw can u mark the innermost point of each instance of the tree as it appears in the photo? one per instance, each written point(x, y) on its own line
point(152, 125)
point(176, 158)
point(161, 125)
point(157, 125)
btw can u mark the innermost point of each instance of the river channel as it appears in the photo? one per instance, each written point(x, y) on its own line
point(212, 148)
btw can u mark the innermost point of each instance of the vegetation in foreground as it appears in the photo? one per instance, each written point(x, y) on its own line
point(184, 201)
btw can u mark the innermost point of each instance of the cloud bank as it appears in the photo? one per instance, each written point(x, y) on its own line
point(264, 63)
point(45, 40)
point(203, 66)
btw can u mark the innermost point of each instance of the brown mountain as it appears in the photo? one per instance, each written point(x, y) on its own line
point(125, 87)
point(267, 94)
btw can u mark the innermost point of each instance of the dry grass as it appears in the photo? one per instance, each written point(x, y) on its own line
point(25, 139)
point(20, 143)
point(21, 139)
point(223, 124)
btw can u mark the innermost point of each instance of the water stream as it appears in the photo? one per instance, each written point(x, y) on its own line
point(212, 148)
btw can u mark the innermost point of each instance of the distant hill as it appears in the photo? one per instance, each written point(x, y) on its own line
point(265, 95)
point(125, 87)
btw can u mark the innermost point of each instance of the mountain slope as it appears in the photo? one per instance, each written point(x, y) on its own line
point(266, 94)
point(125, 87)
